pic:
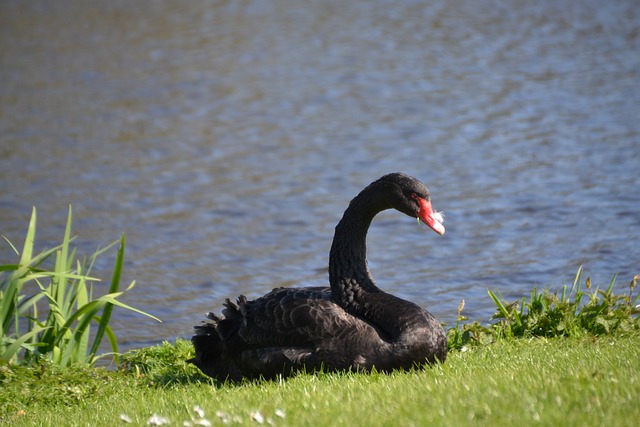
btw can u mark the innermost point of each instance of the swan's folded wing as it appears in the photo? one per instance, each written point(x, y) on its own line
point(292, 317)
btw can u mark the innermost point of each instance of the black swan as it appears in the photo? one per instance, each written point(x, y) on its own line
point(351, 325)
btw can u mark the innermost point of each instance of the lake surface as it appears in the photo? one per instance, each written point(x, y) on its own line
point(226, 138)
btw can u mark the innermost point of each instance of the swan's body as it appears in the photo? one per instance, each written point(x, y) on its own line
point(350, 325)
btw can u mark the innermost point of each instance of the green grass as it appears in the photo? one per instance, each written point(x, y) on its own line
point(48, 312)
point(573, 312)
point(558, 381)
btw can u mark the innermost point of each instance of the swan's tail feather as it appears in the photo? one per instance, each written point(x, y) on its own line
point(210, 345)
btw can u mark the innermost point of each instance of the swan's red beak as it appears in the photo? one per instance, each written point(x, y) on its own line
point(427, 215)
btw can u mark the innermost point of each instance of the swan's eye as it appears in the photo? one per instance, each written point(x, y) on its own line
point(414, 196)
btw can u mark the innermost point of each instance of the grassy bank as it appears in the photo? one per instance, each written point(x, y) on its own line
point(555, 358)
point(559, 381)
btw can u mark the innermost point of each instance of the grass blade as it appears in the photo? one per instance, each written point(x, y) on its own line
point(501, 308)
point(115, 285)
point(27, 248)
point(611, 284)
point(576, 281)
point(8, 353)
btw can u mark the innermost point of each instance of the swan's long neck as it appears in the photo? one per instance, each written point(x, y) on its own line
point(349, 274)
point(352, 286)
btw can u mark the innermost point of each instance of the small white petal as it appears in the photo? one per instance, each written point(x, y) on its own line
point(157, 420)
point(224, 417)
point(257, 417)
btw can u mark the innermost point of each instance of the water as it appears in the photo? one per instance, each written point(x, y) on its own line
point(226, 139)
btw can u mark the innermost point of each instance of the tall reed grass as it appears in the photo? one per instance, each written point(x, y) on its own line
point(49, 312)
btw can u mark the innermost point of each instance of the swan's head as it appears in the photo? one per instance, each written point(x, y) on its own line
point(412, 197)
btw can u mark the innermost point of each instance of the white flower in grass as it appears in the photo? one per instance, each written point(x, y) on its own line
point(157, 420)
point(257, 417)
point(198, 410)
point(224, 417)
